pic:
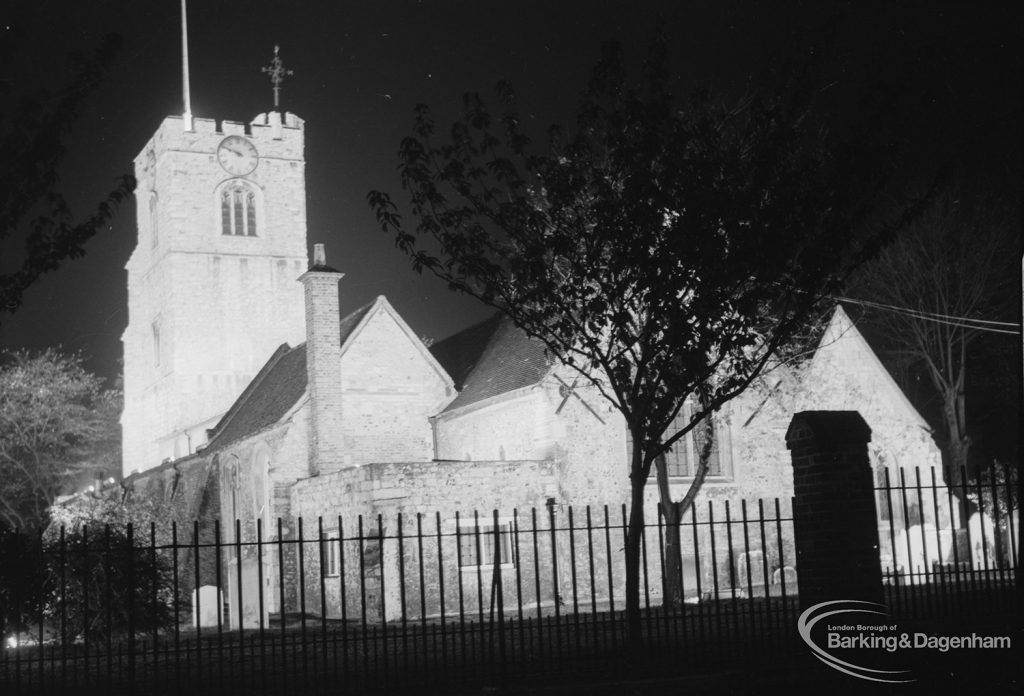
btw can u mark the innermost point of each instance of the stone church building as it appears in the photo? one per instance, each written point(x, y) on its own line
point(249, 397)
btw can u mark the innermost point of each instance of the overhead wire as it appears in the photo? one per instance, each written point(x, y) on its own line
point(882, 305)
point(986, 325)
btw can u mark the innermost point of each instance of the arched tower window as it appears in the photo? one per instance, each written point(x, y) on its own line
point(238, 210)
point(155, 328)
point(152, 218)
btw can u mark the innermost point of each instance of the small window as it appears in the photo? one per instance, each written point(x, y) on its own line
point(238, 211)
point(476, 544)
point(329, 552)
point(156, 343)
point(153, 230)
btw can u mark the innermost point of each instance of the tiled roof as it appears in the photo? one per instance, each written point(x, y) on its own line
point(274, 390)
point(491, 358)
point(270, 395)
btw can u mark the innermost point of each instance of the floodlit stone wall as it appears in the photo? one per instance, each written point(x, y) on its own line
point(390, 388)
point(445, 494)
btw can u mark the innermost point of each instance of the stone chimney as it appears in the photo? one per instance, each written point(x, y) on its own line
point(323, 364)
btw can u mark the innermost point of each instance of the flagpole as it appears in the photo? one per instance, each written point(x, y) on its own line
point(187, 116)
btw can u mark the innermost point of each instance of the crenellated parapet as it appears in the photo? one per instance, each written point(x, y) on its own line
point(276, 134)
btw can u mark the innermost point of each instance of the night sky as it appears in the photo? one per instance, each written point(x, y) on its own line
point(361, 67)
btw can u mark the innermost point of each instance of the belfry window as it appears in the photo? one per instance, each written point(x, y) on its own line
point(238, 211)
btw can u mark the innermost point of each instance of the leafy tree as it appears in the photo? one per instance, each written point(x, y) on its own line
point(663, 251)
point(942, 287)
point(33, 212)
point(57, 425)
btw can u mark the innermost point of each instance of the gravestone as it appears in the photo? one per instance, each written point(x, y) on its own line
point(750, 569)
point(208, 607)
point(787, 575)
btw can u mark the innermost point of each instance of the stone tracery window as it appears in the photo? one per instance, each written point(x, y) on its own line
point(683, 458)
point(238, 210)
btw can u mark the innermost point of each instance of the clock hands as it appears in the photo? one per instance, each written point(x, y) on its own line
point(236, 153)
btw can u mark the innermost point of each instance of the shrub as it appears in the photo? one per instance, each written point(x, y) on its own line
point(100, 582)
point(20, 581)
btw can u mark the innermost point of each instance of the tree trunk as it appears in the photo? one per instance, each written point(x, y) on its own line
point(673, 557)
point(673, 512)
point(633, 539)
point(672, 582)
point(958, 445)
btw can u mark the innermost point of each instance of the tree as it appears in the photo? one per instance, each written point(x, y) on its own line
point(57, 424)
point(32, 210)
point(937, 291)
point(663, 252)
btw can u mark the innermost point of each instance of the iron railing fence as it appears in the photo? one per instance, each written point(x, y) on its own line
point(409, 600)
point(931, 532)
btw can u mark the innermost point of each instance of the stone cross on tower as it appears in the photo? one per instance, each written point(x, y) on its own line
point(277, 73)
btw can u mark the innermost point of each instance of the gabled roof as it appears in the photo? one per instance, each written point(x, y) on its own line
point(491, 358)
point(269, 396)
point(843, 342)
point(382, 306)
point(274, 390)
point(840, 346)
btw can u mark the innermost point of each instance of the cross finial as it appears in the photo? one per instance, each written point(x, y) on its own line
point(277, 73)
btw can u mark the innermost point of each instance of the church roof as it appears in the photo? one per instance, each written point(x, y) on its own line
point(841, 351)
point(274, 390)
point(843, 344)
point(491, 358)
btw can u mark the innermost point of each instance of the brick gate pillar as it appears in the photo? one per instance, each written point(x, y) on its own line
point(834, 520)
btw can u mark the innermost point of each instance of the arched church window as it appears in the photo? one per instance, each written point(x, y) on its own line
point(683, 459)
point(238, 210)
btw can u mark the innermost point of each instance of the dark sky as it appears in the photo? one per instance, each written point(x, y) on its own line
point(361, 67)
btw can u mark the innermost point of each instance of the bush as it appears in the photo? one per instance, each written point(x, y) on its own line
point(102, 583)
point(20, 581)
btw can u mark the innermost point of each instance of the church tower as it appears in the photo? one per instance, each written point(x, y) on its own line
point(212, 282)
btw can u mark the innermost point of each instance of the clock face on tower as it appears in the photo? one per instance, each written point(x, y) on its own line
point(237, 155)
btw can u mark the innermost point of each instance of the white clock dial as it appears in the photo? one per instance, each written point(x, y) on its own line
point(237, 155)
